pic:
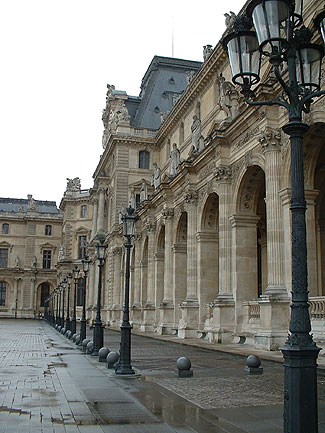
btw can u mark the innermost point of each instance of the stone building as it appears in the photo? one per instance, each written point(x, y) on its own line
point(211, 185)
point(30, 238)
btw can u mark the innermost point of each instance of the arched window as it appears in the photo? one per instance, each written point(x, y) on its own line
point(80, 291)
point(45, 291)
point(144, 159)
point(3, 289)
point(5, 229)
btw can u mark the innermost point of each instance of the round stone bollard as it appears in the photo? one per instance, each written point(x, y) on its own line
point(111, 359)
point(56, 326)
point(102, 354)
point(84, 344)
point(89, 348)
point(183, 369)
point(77, 341)
point(73, 338)
point(62, 331)
point(59, 328)
point(68, 334)
point(253, 363)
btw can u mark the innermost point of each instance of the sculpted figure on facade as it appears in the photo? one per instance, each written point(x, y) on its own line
point(31, 203)
point(132, 199)
point(175, 160)
point(122, 114)
point(190, 75)
point(61, 253)
point(207, 50)
point(17, 262)
point(230, 20)
point(156, 176)
point(196, 133)
point(109, 93)
point(105, 138)
point(143, 191)
point(228, 98)
point(73, 185)
point(34, 262)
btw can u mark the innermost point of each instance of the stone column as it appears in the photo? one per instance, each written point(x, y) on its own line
point(95, 216)
point(274, 304)
point(271, 140)
point(188, 324)
point(159, 283)
point(151, 231)
point(168, 271)
point(137, 282)
point(101, 206)
point(15, 300)
point(32, 296)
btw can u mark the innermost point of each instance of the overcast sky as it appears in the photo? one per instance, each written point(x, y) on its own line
point(57, 57)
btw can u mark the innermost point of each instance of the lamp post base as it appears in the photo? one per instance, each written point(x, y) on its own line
point(300, 389)
point(98, 338)
point(124, 365)
point(82, 330)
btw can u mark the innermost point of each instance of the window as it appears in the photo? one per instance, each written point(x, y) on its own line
point(3, 289)
point(144, 159)
point(3, 257)
point(82, 247)
point(5, 229)
point(137, 200)
point(48, 230)
point(83, 211)
point(45, 291)
point(47, 254)
point(80, 292)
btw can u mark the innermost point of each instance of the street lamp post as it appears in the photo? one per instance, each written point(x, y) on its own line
point(63, 285)
point(98, 334)
point(282, 37)
point(124, 366)
point(74, 316)
point(85, 267)
point(68, 321)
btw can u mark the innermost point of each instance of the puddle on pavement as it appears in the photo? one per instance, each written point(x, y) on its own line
point(14, 410)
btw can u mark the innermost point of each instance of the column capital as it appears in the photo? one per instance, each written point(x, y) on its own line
point(117, 251)
point(191, 196)
point(167, 213)
point(223, 173)
point(270, 139)
point(151, 226)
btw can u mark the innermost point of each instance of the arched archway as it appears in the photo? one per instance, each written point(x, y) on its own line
point(180, 264)
point(249, 241)
point(208, 255)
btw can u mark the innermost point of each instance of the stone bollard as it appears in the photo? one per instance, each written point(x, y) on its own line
point(73, 338)
point(68, 334)
point(59, 328)
point(89, 348)
point(111, 359)
point(253, 365)
point(183, 369)
point(62, 331)
point(102, 354)
point(84, 344)
point(77, 339)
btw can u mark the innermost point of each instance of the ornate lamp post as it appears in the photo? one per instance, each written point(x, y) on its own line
point(63, 286)
point(74, 317)
point(67, 320)
point(282, 37)
point(124, 365)
point(85, 267)
point(98, 335)
point(57, 314)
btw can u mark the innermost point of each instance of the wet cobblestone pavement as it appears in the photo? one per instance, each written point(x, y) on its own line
point(48, 385)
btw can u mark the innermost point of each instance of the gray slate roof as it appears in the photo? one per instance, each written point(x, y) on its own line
point(14, 204)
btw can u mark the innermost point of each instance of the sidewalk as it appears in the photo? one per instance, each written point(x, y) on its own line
point(48, 385)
